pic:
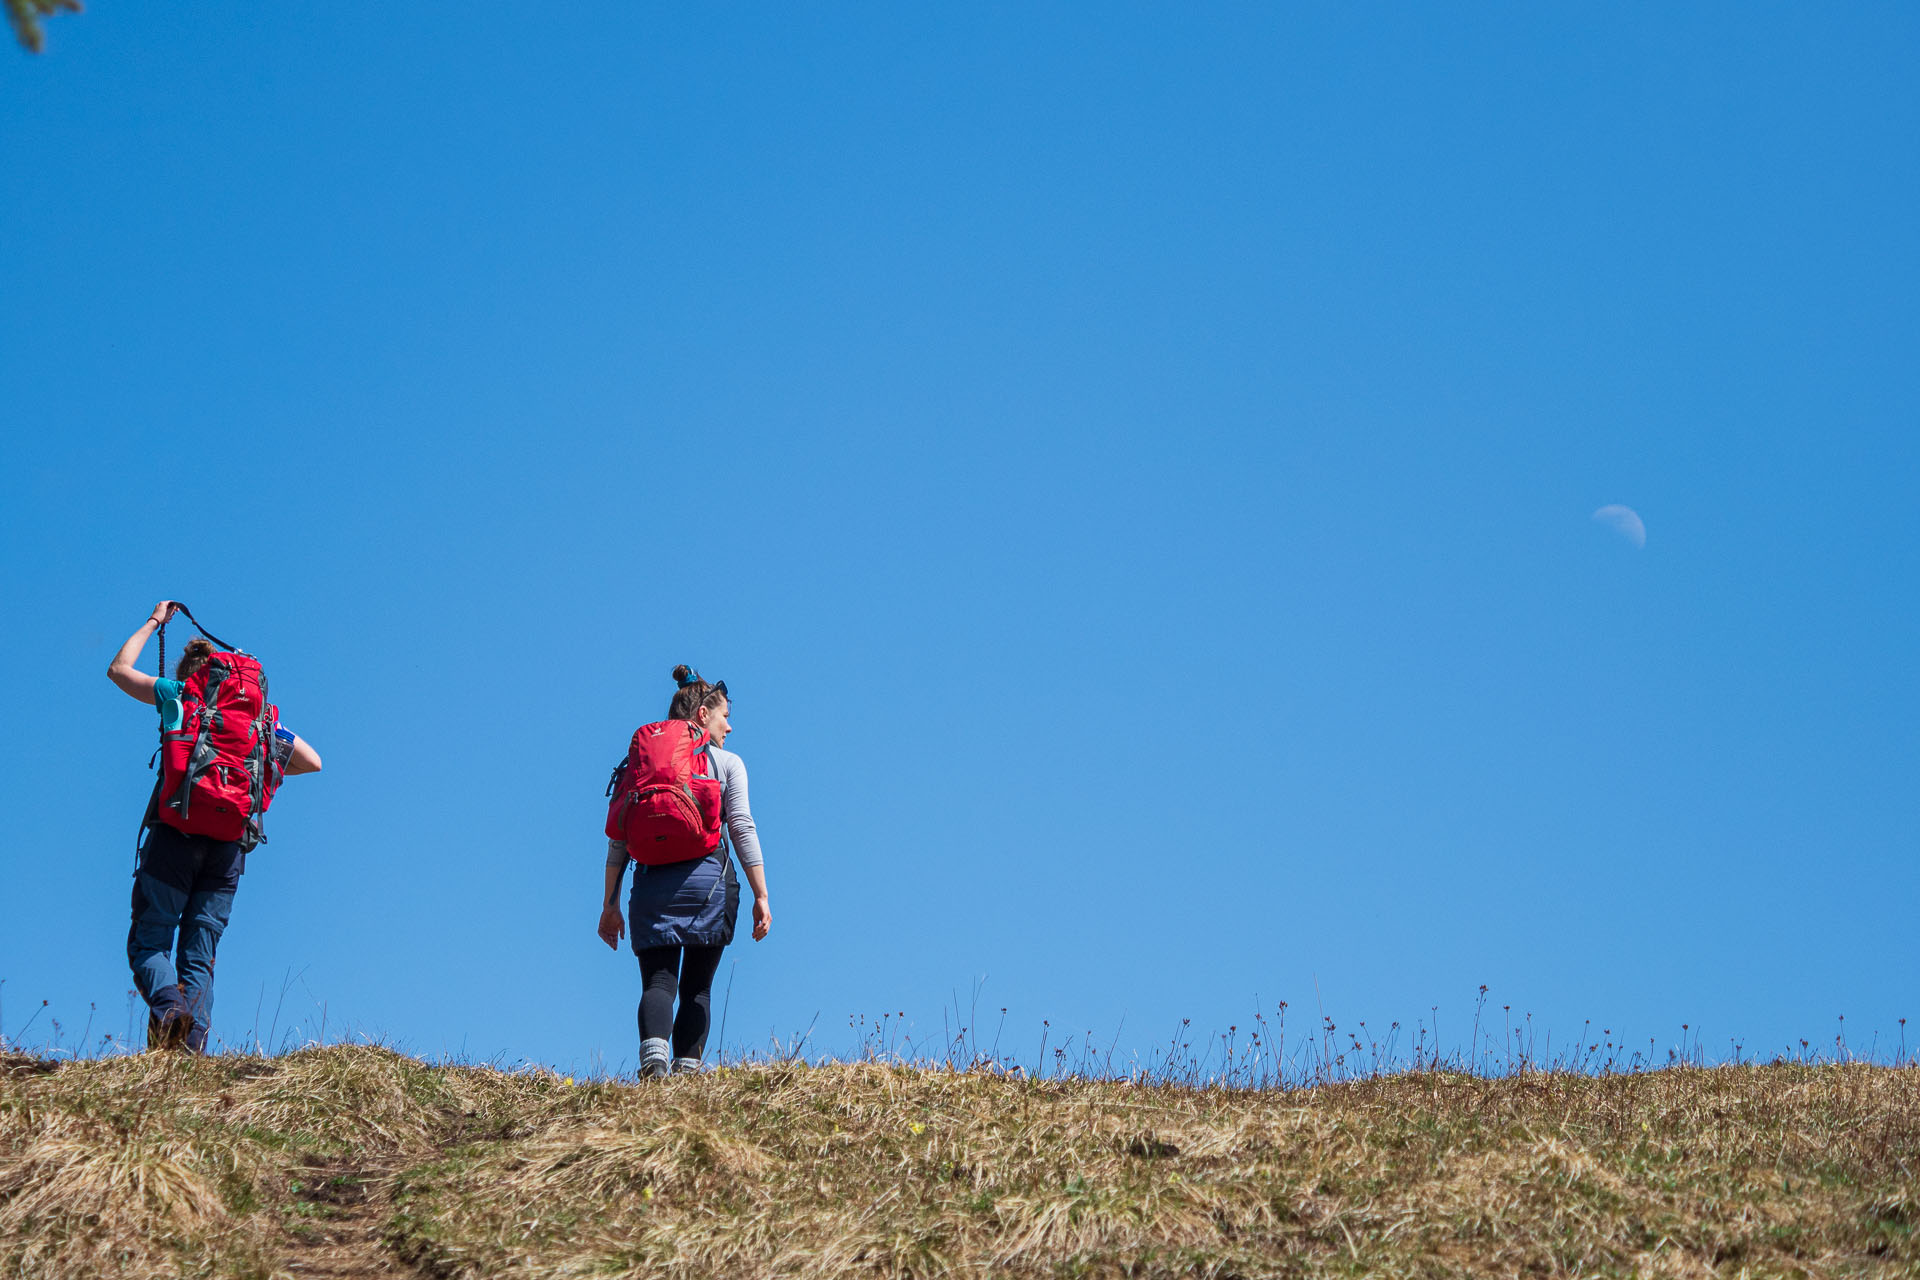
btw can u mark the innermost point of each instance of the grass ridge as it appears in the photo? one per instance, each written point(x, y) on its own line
point(346, 1159)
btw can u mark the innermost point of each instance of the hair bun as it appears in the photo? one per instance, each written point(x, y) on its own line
point(683, 675)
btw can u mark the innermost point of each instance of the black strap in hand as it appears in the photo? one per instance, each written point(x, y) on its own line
point(197, 627)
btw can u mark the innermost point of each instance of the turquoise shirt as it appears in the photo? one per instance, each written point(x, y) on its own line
point(166, 696)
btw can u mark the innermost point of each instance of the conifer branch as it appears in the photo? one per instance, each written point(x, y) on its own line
point(27, 16)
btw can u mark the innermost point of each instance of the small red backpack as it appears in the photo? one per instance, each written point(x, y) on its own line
point(665, 797)
point(218, 770)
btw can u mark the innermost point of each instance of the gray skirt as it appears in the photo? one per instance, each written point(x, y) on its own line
point(684, 904)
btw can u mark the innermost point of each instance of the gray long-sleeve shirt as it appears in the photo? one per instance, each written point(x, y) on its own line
point(732, 772)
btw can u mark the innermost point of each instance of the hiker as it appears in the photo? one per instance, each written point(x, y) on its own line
point(676, 800)
point(223, 752)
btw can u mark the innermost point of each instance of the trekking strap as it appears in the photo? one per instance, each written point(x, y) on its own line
point(208, 634)
point(197, 627)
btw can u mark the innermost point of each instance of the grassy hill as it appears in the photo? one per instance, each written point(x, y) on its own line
point(357, 1161)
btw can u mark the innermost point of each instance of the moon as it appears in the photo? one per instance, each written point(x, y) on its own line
point(1624, 521)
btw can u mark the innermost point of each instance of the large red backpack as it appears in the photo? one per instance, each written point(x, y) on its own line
point(218, 770)
point(665, 798)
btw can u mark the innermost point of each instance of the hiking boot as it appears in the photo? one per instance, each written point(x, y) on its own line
point(169, 1032)
point(656, 1059)
point(686, 1066)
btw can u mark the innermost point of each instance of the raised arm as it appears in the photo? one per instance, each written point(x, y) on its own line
point(138, 684)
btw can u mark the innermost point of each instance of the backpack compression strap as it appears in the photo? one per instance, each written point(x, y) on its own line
point(259, 766)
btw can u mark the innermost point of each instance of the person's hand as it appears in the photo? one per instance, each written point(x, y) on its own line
point(762, 918)
point(164, 611)
point(613, 926)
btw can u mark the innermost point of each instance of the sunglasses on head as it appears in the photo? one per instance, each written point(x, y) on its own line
point(720, 687)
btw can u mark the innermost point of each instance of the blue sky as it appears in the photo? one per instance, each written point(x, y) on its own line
point(1132, 464)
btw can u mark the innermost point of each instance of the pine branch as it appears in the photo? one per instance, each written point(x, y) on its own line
point(27, 15)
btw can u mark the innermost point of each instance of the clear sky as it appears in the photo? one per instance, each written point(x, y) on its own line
point(1134, 466)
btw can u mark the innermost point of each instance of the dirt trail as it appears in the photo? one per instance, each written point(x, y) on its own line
point(345, 1205)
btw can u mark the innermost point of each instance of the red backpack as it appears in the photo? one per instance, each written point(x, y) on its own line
point(665, 799)
point(218, 770)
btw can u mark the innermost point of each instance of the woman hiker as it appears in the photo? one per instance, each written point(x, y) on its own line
point(682, 912)
point(191, 860)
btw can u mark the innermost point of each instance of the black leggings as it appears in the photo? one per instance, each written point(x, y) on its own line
point(664, 971)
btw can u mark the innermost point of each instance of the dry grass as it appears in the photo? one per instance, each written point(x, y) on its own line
point(348, 1160)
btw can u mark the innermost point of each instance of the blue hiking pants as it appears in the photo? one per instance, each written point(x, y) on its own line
point(182, 895)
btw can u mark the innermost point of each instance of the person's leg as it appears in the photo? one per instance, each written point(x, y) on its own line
point(160, 889)
point(696, 1006)
point(205, 919)
point(660, 976)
